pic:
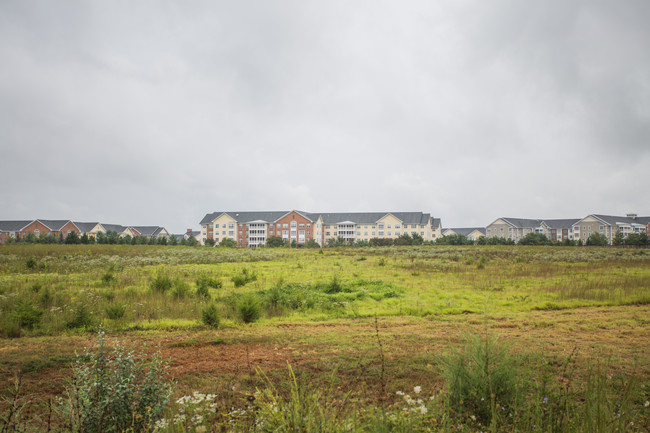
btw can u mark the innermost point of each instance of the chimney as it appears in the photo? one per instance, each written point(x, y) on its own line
point(189, 230)
point(632, 216)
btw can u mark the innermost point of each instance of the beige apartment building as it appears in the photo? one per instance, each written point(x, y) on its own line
point(251, 229)
point(608, 225)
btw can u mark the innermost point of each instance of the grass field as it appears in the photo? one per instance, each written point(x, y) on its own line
point(368, 321)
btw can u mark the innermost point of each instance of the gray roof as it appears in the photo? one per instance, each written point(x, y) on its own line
point(522, 222)
point(328, 218)
point(437, 222)
point(613, 220)
point(113, 227)
point(54, 225)
point(14, 226)
point(148, 230)
point(85, 227)
point(244, 217)
point(561, 223)
point(373, 217)
point(466, 231)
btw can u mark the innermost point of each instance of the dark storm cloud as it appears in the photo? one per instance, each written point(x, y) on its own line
point(159, 112)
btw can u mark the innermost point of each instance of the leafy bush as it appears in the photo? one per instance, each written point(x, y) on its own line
point(82, 318)
point(203, 292)
point(116, 392)
point(482, 379)
point(115, 311)
point(30, 262)
point(208, 281)
point(181, 289)
point(244, 278)
point(36, 287)
point(161, 283)
point(248, 308)
point(210, 316)
point(108, 278)
point(25, 315)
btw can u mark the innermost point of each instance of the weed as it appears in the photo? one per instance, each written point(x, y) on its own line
point(30, 262)
point(248, 308)
point(244, 278)
point(116, 392)
point(107, 278)
point(161, 283)
point(210, 316)
point(483, 379)
point(181, 289)
point(82, 318)
point(115, 311)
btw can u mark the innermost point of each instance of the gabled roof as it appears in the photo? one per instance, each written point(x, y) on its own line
point(521, 222)
point(561, 223)
point(245, 217)
point(466, 231)
point(113, 227)
point(436, 222)
point(54, 225)
point(85, 227)
point(147, 230)
point(14, 226)
point(373, 217)
point(616, 220)
point(328, 218)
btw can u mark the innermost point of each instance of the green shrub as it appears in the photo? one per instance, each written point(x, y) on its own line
point(36, 287)
point(203, 292)
point(244, 278)
point(30, 262)
point(483, 380)
point(116, 392)
point(334, 286)
point(115, 311)
point(210, 316)
point(181, 289)
point(161, 283)
point(46, 298)
point(82, 318)
point(108, 278)
point(248, 308)
point(207, 281)
point(25, 315)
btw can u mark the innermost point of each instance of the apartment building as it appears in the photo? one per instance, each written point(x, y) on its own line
point(517, 228)
point(20, 229)
point(608, 225)
point(250, 229)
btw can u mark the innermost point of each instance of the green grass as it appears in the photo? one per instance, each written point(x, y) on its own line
point(160, 284)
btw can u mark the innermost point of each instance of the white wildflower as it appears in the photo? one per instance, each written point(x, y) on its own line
point(423, 410)
point(399, 393)
point(417, 389)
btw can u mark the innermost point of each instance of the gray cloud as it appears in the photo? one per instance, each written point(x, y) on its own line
point(157, 113)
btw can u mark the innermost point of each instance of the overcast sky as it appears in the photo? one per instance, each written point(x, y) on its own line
point(158, 112)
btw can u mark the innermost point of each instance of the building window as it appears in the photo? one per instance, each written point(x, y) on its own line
point(285, 226)
point(308, 232)
point(397, 226)
point(301, 225)
point(231, 225)
point(37, 232)
point(381, 234)
point(327, 233)
point(381, 226)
